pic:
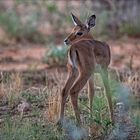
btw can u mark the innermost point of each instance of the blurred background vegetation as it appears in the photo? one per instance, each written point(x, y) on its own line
point(48, 22)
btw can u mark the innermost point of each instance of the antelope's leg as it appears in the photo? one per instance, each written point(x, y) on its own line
point(72, 75)
point(90, 93)
point(90, 96)
point(104, 75)
point(78, 85)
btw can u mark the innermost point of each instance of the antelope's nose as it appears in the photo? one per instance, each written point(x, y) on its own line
point(65, 41)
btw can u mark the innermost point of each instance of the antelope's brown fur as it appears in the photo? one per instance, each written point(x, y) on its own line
point(84, 55)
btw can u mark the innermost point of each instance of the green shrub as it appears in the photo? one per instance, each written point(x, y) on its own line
point(13, 26)
point(101, 24)
point(51, 7)
point(56, 55)
point(130, 29)
point(10, 22)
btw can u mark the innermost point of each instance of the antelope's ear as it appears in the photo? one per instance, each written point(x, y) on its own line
point(91, 22)
point(75, 20)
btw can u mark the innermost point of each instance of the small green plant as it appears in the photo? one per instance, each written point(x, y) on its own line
point(98, 121)
point(57, 55)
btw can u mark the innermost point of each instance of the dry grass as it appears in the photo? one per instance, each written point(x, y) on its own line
point(53, 105)
point(10, 88)
point(44, 109)
point(53, 99)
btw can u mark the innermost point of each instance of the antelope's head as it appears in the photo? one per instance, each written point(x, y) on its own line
point(80, 30)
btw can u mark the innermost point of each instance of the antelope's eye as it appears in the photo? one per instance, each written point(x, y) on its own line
point(79, 33)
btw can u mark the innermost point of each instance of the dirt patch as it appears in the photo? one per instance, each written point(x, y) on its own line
point(20, 58)
point(125, 53)
point(26, 57)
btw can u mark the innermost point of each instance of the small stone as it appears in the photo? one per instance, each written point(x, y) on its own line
point(23, 107)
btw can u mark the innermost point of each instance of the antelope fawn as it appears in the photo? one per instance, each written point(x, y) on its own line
point(85, 57)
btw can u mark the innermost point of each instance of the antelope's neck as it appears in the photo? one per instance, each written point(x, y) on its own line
point(86, 37)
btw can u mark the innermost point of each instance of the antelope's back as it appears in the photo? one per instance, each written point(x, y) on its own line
point(91, 49)
point(102, 53)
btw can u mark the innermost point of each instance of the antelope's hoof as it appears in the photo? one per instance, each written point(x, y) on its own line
point(59, 124)
point(112, 122)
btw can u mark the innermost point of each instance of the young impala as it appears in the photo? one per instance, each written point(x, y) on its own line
point(84, 56)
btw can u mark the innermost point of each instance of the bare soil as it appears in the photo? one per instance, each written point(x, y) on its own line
point(24, 57)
